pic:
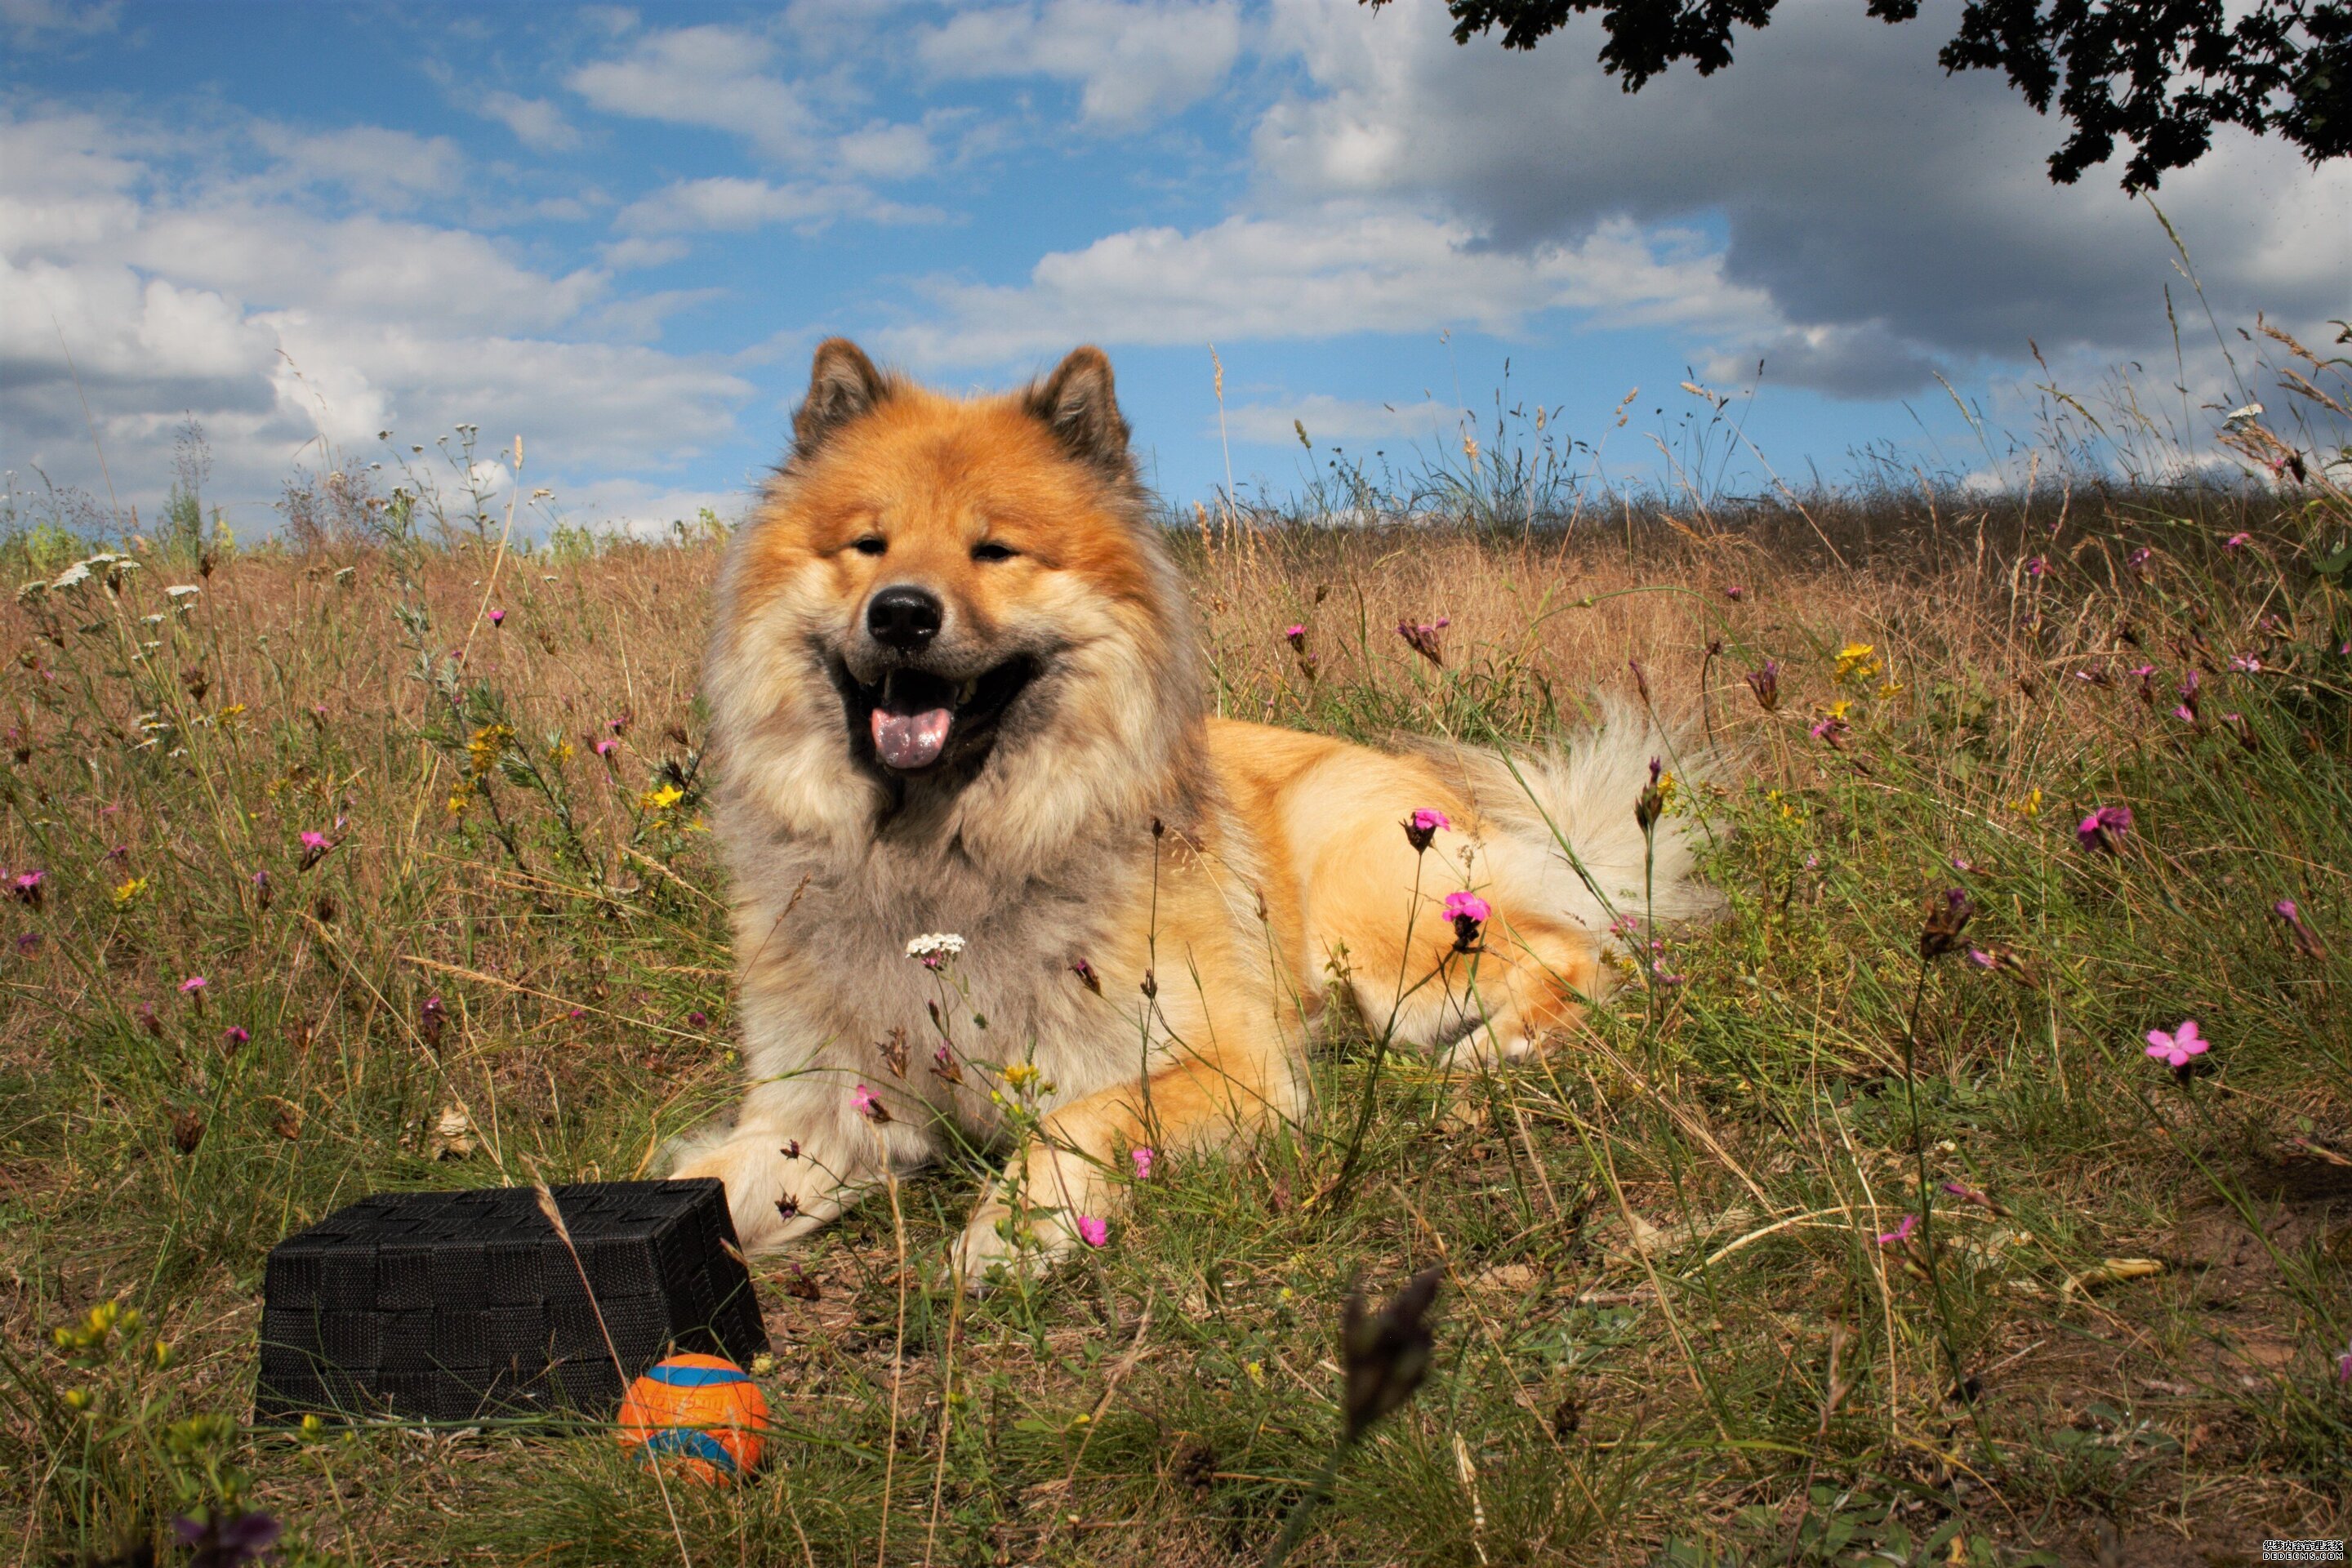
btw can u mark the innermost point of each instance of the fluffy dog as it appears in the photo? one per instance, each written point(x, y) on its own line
point(956, 693)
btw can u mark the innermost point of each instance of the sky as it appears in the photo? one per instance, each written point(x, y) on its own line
point(620, 232)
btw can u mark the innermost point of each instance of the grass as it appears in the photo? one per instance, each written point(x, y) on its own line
point(1669, 1328)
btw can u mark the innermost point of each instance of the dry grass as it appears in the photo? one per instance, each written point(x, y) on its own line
point(1668, 1334)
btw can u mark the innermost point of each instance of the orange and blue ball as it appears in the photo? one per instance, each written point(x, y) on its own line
point(701, 1413)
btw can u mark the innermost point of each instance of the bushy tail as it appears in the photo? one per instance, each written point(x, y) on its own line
point(1569, 839)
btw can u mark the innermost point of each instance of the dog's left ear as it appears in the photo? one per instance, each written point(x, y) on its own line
point(1077, 405)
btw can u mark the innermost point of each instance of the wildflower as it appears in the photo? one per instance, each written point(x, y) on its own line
point(943, 1065)
point(315, 846)
point(1092, 1231)
point(2236, 541)
point(1948, 915)
point(227, 1541)
point(145, 1014)
point(2344, 1366)
point(2036, 566)
point(26, 887)
point(1020, 1075)
point(194, 986)
point(2246, 664)
point(1641, 678)
point(484, 746)
point(1765, 681)
point(1143, 1159)
point(2176, 1048)
point(1422, 825)
point(1422, 638)
point(697, 1019)
point(430, 1020)
point(1384, 1355)
point(1468, 911)
point(1982, 959)
point(561, 753)
point(1296, 636)
point(870, 1108)
point(1651, 803)
point(1858, 660)
point(1086, 975)
point(935, 948)
point(1901, 1233)
point(2146, 674)
point(1829, 729)
point(619, 724)
point(2104, 828)
point(661, 799)
point(1734, 593)
point(2307, 941)
point(1969, 1194)
point(233, 1036)
point(1965, 866)
point(2140, 557)
point(607, 747)
point(498, 617)
point(2028, 803)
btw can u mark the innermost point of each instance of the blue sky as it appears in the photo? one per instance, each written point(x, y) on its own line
point(619, 232)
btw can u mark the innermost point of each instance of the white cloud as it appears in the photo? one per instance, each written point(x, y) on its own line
point(279, 325)
point(713, 77)
point(33, 22)
point(1316, 274)
point(536, 123)
point(1136, 60)
point(732, 203)
point(389, 168)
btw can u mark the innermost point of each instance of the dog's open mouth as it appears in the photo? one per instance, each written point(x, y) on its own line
point(914, 718)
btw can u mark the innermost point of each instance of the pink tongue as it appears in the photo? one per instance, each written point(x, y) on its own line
point(911, 740)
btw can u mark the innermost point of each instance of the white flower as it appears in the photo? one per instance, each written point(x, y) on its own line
point(72, 576)
point(934, 944)
point(2246, 416)
point(182, 590)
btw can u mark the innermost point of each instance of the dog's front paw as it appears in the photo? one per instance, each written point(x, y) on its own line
point(773, 1193)
point(995, 1249)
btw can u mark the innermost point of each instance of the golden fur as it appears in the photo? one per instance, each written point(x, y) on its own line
point(1155, 902)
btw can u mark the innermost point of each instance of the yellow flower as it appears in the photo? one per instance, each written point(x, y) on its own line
point(1858, 660)
point(231, 711)
point(1841, 709)
point(79, 1398)
point(483, 748)
point(1667, 786)
point(1890, 689)
point(1020, 1075)
point(127, 893)
point(461, 795)
point(563, 753)
point(2031, 805)
point(661, 799)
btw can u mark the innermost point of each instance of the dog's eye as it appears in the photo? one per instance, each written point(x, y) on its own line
point(871, 544)
point(989, 550)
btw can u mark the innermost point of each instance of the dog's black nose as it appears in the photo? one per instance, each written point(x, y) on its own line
point(903, 617)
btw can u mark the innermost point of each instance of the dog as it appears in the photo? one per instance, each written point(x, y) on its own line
point(1000, 876)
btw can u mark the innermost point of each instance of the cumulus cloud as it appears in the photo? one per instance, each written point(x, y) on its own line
point(1134, 60)
point(280, 325)
point(733, 203)
point(1895, 217)
point(536, 123)
point(387, 168)
point(1323, 273)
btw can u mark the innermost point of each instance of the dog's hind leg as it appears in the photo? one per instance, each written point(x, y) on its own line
point(1078, 1170)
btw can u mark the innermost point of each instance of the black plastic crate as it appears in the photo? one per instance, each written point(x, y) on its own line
point(461, 1306)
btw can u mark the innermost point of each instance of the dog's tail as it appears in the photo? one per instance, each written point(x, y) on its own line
point(1568, 835)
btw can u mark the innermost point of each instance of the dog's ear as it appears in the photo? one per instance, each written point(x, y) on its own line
point(844, 386)
point(1077, 405)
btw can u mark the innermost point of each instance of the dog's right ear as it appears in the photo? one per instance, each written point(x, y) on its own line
point(844, 386)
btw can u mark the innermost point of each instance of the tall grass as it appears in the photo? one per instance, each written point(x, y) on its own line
point(1684, 1319)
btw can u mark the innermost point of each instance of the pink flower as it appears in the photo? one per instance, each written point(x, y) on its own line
point(1296, 633)
point(1092, 1231)
point(1429, 819)
point(313, 839)
point(2344, 1366)
point(2036, 566)
point(1142, 1158)
point(2176, 1047)
point(2105, 827)
point(1829, 729)
point(497, 617)
point(1967, 1194)
point(1982, 959)
point(194, 986)
point(2307, 941)
point(607, 747)
point(1901, 1233)
point(2245, 664)
point(26, 886)
point(1734, 593)
point(233, 1036)
point(1468, 911)
point(1422, 825)
point(868, 1105)
point(2236, 541)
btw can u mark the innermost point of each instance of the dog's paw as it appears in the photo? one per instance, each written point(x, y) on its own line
point(774, 1195)
point(992, 1253)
